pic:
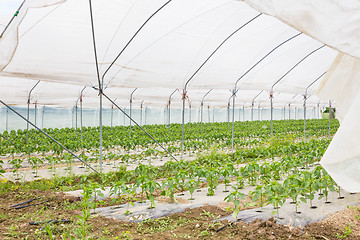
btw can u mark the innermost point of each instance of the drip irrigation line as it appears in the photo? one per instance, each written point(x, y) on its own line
point(192, 76)
point(28, 201)
point(132, 38)
point(131, 119)
point(7, 139)
point(30, 205)
point(47, 135)
point(12, 19)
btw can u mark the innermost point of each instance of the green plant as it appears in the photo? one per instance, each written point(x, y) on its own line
point(346, 232)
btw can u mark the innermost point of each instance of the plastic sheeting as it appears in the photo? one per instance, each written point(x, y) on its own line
point(50, 40)
point(335, 23)
point(53, 44)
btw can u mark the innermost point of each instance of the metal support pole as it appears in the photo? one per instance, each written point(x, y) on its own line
point(295, 113)
point(201, 106)
point(81, 112)
point(209, 113)
point(28, 112)
point(131, 108)
point(189, 114)
point(183, 122)
point(42, 117)
point(81, 119)
point(124, 115)
point(76, 116)
point(305, 98)
point(100, 123)
point(289, 112)
point(271, 114)
point(35, 114)
point(145, 116)
point(252, 110)
point(141, 112)
point(7, 120)
point(243, 113)
point(112, 116)
point(329, 118)
point(213, 117)
point(169, 116)
point(259, 111)
point(233, 121)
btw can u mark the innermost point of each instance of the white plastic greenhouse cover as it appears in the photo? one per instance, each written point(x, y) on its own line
point(50, 40)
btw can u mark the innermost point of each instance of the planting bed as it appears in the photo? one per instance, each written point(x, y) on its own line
point(142, 196)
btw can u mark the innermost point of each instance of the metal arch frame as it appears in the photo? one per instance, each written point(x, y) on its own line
point(193, 75)
point(282, 77)
point(202, 105)
point(28, 111)
point(244, 74)
point(306, 97)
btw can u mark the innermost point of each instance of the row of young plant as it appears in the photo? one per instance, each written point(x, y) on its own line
point(119, 136)
point(178, 177)
point(207, 140)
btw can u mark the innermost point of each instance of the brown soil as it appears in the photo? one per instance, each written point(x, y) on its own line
point(194, 223)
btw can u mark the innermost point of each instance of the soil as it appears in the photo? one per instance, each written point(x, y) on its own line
point(197, 223)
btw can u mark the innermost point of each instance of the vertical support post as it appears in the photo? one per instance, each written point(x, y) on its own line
point(189, 114)
point(259, 111)
point(252, 117)
point(76, 116)
point(81, 118)
point(209, 113)
point(112, 116)
point(183, 122)
point(271, 113)
point(101, 129)
point(329, 118)
point(243, 108)
point(145, 115)
point(305, 98)
point(295, 113)
point(213, 118)
point(42, 117)
point(233, 121)
point(7, 119)
point(202, 106)
point(131, 96)
point(289, 112)
point(141, 112)
point(124, 115)
point(35, 115)
point(27, 123)
point(201, 116)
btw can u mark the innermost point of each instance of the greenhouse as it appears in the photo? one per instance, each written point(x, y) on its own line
point(205, 119)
